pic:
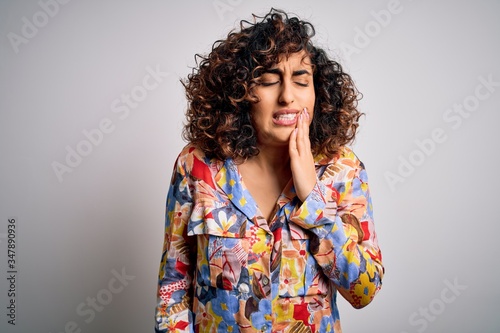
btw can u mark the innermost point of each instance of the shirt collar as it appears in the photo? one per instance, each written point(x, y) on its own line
point(229, 180)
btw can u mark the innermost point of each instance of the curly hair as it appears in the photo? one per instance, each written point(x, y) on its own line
point(220, 90)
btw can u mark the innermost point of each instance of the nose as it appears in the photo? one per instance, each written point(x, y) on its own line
point(286, 94)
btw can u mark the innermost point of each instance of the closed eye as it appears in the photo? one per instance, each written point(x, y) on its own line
point(270, 78)
point(267, 84)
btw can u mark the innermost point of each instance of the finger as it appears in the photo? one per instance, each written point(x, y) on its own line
point(301, 144)
point(293, 142)
point(305, 144)
point(307, 121)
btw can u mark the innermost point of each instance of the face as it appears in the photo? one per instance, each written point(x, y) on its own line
point(285, 90)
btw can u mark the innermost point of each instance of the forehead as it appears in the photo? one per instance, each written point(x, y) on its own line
point(297, 59)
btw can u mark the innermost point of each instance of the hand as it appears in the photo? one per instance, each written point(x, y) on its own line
point(301, 158)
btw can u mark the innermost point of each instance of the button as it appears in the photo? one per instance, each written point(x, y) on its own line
point(243, 288)
point(265, 280)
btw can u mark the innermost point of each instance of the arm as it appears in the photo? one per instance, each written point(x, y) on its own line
point(173, 311)
point(338, 213)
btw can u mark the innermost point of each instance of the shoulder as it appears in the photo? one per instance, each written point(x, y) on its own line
point(190, 151)
point(344, 157)
point(349, 158)
point(192, 159)
point(195, 169)
point(343, 167)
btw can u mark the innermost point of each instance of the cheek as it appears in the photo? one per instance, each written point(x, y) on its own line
point(311, 104)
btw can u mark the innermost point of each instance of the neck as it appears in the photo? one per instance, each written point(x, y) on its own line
point(272, 158)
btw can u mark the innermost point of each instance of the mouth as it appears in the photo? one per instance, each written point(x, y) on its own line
point(285, 117)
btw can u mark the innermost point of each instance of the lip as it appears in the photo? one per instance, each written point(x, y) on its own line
point(285, 122)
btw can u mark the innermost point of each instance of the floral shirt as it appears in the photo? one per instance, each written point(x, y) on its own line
point(224, 268)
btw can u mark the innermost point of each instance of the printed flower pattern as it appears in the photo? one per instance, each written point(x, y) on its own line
point(224, 268)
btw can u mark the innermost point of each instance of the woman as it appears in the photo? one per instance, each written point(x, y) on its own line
point(268, 213)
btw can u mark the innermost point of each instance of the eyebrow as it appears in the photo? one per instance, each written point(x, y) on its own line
point(294, 73)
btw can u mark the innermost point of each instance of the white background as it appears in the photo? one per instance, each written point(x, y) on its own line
point(437, 224)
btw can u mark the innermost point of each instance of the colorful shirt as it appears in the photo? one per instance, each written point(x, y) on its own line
point(225, 268)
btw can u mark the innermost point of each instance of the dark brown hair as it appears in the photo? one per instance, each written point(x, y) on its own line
point(219, 90)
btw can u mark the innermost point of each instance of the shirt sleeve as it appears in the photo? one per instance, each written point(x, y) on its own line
point(174, 294)
point(338, 214)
